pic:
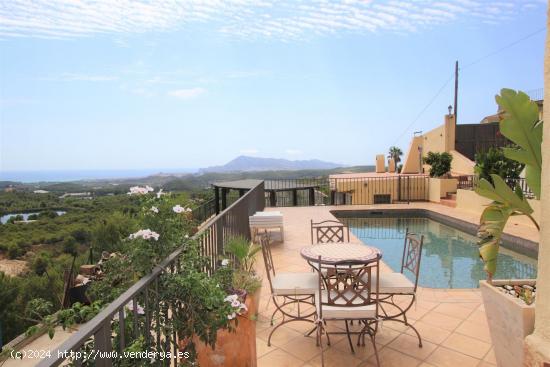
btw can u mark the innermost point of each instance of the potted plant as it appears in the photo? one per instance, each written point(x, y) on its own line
point(236, 346)
point(510, 304)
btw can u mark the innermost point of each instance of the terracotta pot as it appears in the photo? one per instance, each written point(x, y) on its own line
point(237, 348)
point(510, 321)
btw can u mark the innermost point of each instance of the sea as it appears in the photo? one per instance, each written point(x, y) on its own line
point(77, 175)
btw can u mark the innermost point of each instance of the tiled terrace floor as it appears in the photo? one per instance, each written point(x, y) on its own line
point(452, 322)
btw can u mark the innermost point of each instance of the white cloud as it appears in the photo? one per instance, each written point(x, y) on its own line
point(293, 152)
point(279, 19)
point(250, 151)
point(187, 93)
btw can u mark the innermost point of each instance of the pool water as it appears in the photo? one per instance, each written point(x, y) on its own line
point(450, 257)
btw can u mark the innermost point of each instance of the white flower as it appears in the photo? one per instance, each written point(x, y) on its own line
point(138, 190)
point(243, 307)
point(232, 316)
point(159, 194)
point(231, 298)
point(139, 309)
point(154, 209)
point(178, 209)
point(236, 303)
point(225, 262)
point(186, 236)
point(146, 234)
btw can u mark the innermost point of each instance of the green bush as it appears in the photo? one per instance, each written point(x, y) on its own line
point(495, 162)
point(69, 246)
point(15, 251)
point(440, 163)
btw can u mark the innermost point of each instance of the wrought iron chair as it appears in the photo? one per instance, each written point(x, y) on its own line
point(329, 231)
point(288, 289)
point(397, 284)
point(349, 294)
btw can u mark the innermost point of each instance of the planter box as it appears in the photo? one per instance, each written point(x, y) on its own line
point(510, 321)
point(234, 348)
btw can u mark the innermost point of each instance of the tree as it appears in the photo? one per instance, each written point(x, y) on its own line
point(395, 153)
point(494, 161)
point(440, 163)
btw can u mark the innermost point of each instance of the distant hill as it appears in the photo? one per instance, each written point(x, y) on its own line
point(249, 164)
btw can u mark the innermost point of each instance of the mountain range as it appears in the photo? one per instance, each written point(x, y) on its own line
point(248, 164)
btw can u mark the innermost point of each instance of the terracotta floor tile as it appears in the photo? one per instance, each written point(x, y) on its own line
point(280, 337)
point(391, 358)
point(303, 348)
point(454, 310)
point(467, 345)
point(279, 358)
point(443, 357)
point(408, 344)
point(386, 335)
point(361, 352)
point(490, 357)
point(475, 330)
point(429, 332)
point(442, 321)
point(335, 358)
point(262, 348)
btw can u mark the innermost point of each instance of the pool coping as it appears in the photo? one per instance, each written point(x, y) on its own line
point(511, 242)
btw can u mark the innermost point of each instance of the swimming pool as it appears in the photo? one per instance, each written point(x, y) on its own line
point(450, 257)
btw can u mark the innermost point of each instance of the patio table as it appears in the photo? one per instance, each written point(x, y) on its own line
point(335, 253)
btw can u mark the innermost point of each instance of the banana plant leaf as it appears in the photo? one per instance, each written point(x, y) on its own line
point(521, 125)
point(506, 203)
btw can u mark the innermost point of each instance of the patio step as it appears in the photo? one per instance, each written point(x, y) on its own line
point(448, 202)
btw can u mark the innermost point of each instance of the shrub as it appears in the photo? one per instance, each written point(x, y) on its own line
point(14, 251)
point(440, 163)
point(495, 162)
point(69, 246)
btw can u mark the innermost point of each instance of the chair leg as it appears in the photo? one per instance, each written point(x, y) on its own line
point(349, 337)
point(375, 350)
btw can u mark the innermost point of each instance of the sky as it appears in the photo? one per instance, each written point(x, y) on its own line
point(188, 84)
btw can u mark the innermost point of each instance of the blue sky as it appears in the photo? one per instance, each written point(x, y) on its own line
point(134, 85)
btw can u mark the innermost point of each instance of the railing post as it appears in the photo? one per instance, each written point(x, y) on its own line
point(312, 197)
point(102, 344)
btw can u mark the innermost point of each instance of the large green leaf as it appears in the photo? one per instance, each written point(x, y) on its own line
point(492, 222)
point(503, 194)
point(522, 126)
point(506, 203)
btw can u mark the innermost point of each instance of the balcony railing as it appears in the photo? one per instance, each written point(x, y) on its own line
point(233, 221)
point(470, 182)
point(366, 190)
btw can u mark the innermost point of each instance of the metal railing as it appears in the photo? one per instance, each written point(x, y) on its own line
point(297, 192)
point(204, 211)
point(366, 190)
point(233, 221)
point(470, 182)
point(536, 94)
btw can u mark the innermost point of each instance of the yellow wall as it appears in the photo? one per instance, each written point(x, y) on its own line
point(411, 163)
point(440, 187)
point(469, 200)
point(363, 190)
point(380, 164)
point(461, 165)
point(439, 140)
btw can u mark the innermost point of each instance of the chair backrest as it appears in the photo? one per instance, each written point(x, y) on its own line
point(348, 284)
point(412, 254)
point(268, 259)
point(329, 231)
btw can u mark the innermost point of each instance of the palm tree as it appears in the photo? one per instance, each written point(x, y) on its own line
point(395, 153)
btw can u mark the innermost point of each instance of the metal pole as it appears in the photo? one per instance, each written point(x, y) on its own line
point(456, 93)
